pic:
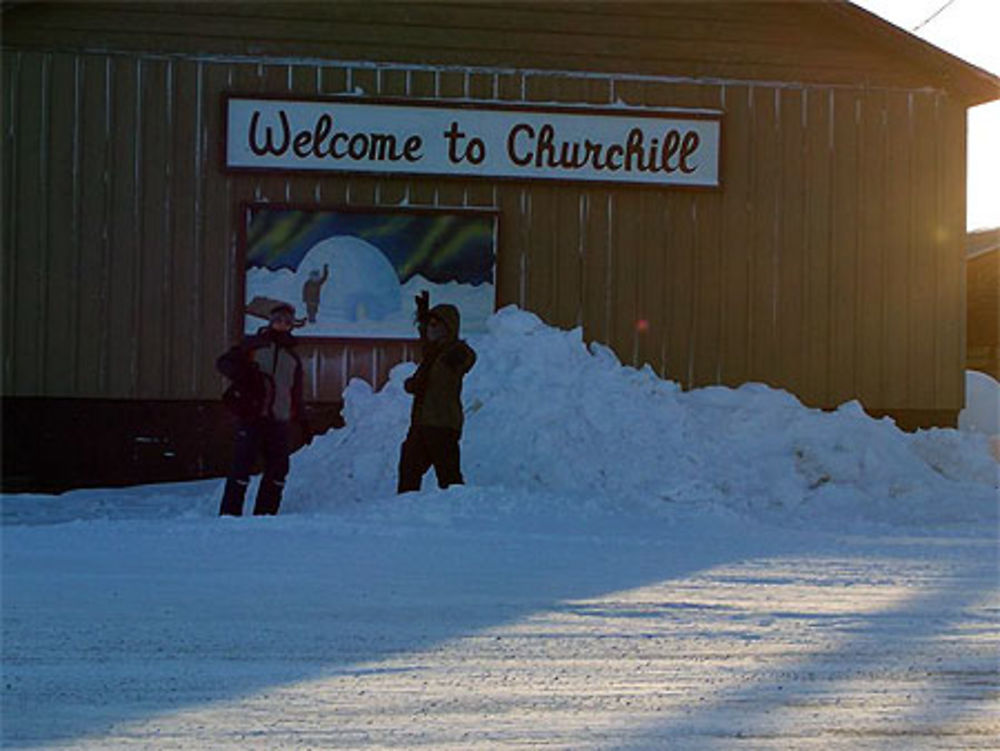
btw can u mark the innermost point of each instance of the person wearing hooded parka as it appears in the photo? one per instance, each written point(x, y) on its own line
point(436, 418)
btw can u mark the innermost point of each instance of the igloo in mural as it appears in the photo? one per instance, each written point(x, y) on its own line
point(362, 285)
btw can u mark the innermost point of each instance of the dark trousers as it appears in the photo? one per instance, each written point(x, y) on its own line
point(265, 437)
point(425, 448)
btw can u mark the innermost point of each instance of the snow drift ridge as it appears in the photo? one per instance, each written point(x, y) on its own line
point(544, 412)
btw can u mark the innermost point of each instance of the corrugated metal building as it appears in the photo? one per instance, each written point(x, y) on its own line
point(983, 295)
point(827, 259)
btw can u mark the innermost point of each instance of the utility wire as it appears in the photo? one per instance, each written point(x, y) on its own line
point(934, 15)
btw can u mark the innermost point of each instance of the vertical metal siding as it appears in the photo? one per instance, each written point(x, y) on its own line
point(816, 246)
point(924, 217)
point(789, 271)
point(950, 328)
point(736, 212)
point(9, 206)
point(844, 246)
point(897, 278)
point(28, 275)
point(872, 232)
point(123, 293)
point(136, 227)
point(826, 264)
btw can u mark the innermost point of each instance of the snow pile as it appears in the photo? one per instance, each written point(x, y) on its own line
point(546, 414)
point(982, 404)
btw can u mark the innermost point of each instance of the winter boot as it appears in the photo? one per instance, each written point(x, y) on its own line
point(268, 497)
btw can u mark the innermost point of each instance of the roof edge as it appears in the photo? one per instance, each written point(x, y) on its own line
point(971, 83)
point(979, 242)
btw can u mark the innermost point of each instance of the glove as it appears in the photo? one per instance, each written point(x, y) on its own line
point(423, 301)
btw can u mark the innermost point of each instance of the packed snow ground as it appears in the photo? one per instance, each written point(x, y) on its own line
point(629, 567)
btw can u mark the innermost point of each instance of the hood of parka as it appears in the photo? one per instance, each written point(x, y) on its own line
point(450, 317)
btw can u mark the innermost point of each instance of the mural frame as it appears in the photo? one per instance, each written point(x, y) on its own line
point(251, 211)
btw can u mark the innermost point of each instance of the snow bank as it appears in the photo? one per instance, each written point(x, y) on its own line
point(982, 404)
point(547, 414)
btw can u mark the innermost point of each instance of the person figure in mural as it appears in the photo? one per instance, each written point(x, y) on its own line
point(266, 396)
point(311, 291)
point(436, 416)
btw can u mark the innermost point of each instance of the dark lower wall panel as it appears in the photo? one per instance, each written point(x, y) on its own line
point(52, 445)
point(911, 420)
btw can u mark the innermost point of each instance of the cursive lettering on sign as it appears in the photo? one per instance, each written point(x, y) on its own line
point(619, 146)
point(527, 147)
point(323, 140)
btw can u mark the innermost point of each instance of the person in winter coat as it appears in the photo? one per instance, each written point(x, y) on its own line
point(311, 291)
point(436, 417)
point(266, 395)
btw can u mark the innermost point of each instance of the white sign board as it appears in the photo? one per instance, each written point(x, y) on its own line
point(600, 145)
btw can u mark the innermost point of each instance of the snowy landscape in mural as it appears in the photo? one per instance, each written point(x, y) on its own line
point(363, 297)
point(363, 283)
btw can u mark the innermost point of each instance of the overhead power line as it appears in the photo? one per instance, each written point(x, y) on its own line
point(934, 15)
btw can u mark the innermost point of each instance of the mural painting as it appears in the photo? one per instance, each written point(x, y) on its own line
point(353, 273)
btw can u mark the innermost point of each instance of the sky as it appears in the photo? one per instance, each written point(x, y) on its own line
point(969, 29)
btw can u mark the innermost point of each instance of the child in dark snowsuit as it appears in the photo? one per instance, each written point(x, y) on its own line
point(267, 396)
point(436, 418)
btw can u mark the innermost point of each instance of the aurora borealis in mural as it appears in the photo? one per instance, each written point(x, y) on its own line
point(440, 246)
